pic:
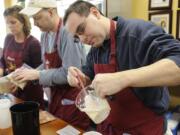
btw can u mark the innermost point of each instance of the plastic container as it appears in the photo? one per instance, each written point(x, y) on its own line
point(25, 118)
point(5, 116)
point(95, 107)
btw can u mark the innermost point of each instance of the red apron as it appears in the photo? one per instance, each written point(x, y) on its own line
point(128, 113)
point(14, 60)
point(63, 96)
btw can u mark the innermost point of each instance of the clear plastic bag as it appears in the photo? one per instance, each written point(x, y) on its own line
point(20, 85)
point(6, 81)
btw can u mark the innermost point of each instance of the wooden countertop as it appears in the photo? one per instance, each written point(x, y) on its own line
point(49, 128)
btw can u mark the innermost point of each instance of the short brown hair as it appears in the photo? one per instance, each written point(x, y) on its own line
point(14, 11)
point(80, 7)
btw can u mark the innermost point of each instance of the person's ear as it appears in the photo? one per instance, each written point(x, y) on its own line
point(95, 12)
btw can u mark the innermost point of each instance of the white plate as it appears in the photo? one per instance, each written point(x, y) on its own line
point(92, 133)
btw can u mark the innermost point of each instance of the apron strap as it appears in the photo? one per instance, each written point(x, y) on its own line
point(113, 60)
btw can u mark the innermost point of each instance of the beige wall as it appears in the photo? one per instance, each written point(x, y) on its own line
point(8, 3)
point(140, 9)
point(119, 8)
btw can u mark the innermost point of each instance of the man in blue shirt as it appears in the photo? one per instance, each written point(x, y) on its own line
point(133, 61)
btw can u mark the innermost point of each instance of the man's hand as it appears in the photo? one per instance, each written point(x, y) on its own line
point(24, 74)
point(74, 74)
point(109, 83)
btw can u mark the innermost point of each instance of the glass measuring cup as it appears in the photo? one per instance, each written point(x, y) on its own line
point(95, 107)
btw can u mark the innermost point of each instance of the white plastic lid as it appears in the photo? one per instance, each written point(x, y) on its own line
point(5, 103)
point(92, 133)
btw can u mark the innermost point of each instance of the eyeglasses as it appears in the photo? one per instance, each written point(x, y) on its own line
point(80, 31)
point(81, 28)
point(76, 39)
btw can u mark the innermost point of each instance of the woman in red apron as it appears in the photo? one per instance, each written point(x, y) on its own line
point(20, 48)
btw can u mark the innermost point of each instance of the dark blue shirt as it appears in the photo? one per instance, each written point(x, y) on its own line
point(138, 44)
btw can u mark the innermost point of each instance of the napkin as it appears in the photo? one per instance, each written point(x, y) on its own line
point(45, 117)
point(68, 130)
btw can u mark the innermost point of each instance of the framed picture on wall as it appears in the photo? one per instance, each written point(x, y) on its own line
point(160, 4)
point(178, 25)
point(163, 19)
